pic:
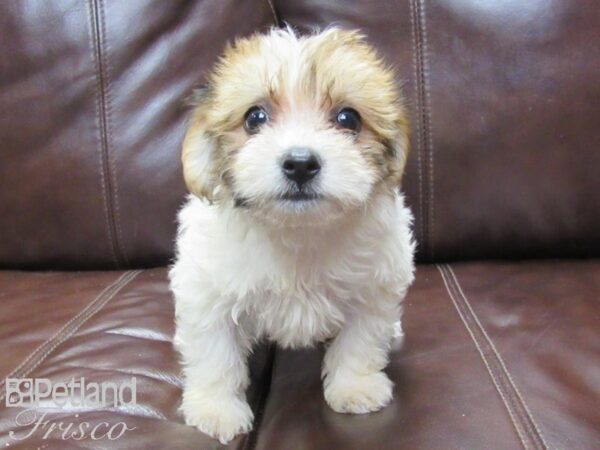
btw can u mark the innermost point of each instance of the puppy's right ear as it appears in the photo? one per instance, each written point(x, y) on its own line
point(197, 156)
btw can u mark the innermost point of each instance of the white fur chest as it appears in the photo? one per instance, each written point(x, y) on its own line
point(298, 297)
point(297, 289)
point(294, 318)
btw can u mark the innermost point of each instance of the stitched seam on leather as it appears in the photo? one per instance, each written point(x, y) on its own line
point(501, 372)
point(531, 423)
point(521, 418)
point(108, 291)
point(518, 402)
point(428, 130)
point(274, 12)
point(36, 357)
point(424, 130)
point(105, 202)
point(103, 112)
point(112, 166)
point(415, 37)
point(516, 424)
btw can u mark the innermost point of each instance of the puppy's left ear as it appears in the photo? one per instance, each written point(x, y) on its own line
point(398, 147)
point(198, 154)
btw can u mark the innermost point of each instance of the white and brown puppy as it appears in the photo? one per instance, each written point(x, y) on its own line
point(296, 230)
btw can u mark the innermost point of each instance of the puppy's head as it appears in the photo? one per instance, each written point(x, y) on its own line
point(297, 130)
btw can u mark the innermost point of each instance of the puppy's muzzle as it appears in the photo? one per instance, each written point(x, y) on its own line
point(300, 165)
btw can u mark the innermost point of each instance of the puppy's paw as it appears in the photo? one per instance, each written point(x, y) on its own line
point(354, 393)
point(221, 417)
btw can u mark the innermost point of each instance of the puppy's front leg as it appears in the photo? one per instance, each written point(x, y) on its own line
point(354, 381)
point(216, 377)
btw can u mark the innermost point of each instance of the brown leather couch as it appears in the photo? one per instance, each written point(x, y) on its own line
point(502, 324)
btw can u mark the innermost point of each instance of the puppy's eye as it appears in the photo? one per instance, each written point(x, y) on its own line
point(349, 118)
point(254, 119)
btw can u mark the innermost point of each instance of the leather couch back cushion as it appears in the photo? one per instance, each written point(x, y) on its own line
point(503, 96)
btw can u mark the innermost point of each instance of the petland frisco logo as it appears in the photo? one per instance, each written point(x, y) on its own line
point(35, 393)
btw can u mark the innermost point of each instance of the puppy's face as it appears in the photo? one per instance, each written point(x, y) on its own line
point(297, 130)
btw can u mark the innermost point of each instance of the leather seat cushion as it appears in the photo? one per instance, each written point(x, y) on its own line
point(495, 354)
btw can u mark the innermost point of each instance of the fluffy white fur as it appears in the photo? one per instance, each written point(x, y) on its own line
point(236, 281)
point(338, 270)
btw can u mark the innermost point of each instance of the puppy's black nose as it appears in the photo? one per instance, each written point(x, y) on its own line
point(300, 165)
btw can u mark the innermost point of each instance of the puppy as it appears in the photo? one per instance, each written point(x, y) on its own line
point(296, 230)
